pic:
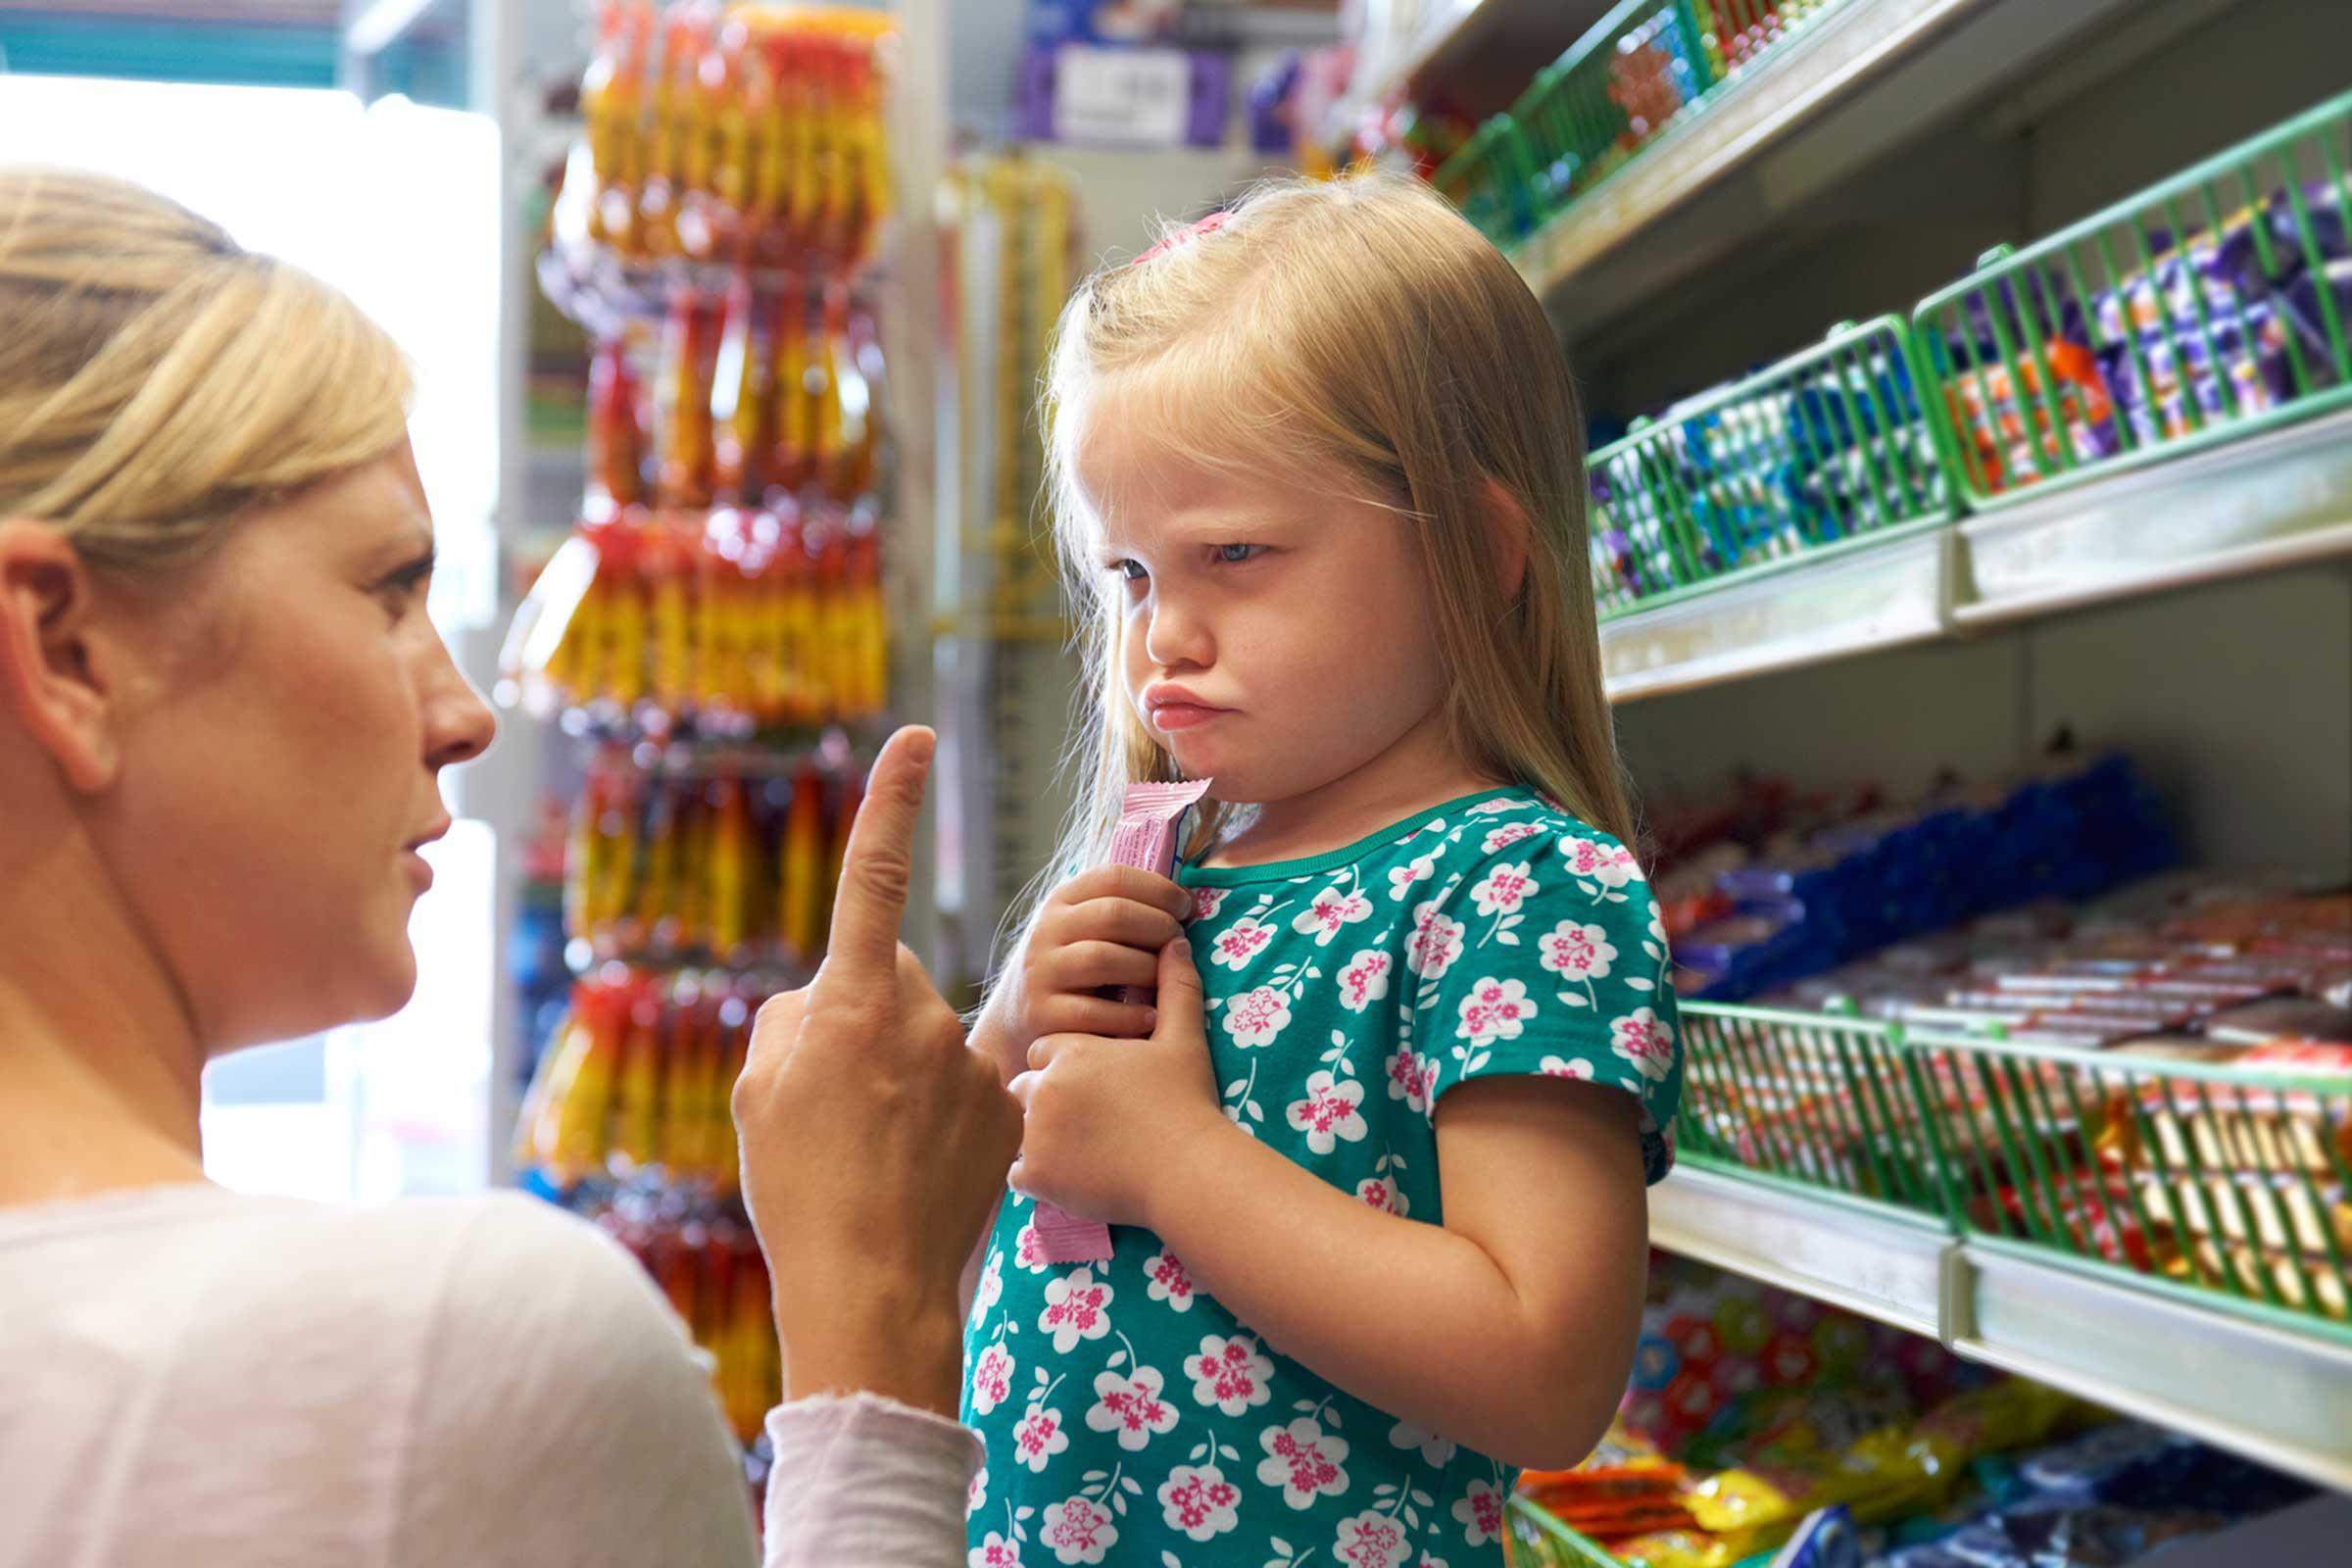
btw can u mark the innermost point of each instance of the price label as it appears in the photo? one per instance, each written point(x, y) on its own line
point(1139, 96)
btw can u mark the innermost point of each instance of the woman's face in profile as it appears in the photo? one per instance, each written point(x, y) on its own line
point(279, 765)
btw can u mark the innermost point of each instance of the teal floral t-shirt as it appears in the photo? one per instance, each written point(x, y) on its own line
point(1132, 1420)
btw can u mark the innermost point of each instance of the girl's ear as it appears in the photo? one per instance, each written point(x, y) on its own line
point(1510, 532)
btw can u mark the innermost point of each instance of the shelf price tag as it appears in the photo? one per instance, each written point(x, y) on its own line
point(1138, 96)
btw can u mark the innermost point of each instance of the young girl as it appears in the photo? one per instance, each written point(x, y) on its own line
point(1379, 1239)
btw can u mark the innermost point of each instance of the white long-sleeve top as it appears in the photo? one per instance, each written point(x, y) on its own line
point(192, 1378)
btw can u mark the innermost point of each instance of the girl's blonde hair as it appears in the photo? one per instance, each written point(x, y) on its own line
point(156, 380)
point(1359, 327)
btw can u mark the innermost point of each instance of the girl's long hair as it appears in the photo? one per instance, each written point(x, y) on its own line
point(1359, 329)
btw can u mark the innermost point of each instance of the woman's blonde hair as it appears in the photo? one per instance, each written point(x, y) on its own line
point(156, 380)
point(1359, 327)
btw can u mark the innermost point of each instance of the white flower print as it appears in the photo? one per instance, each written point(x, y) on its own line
point(1241, 941)
point(1411, 1077)
point(1576, 1067)
point(1229, 1374)
point(1402, 878)
point(1303, 1460)
point(1365, 980)
point(1256, 1017)
point(1480, 1514)
point(991, 1286)
point(1612, 865)
point(1383, 1195)
point(994, 1552)
point(1646, 1040)
point(1504, 888)
point(1437, 1452)
point(975, 1495)
point(1497, 807)
point(992, 1378)
point(1077, 1307)
point(1170, 1283)
point(1427, 1562)
point(1038, 1438)
point(1495, 1009)
point(1329, 1113)
point(1206, 902)
point(1079, 1530)
point(1200, 1501)
point(1577, 951)
point(1132, 1407)
point(1435, 944)
point(1332, 909)
point(1029, 1251)
point(1372, 1540)
point(1508, 834)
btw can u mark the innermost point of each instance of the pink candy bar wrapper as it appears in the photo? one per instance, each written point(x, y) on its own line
point(1146, 837)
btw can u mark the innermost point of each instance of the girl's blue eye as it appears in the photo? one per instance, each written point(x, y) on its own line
point(1128, 570)
point(1234, 554)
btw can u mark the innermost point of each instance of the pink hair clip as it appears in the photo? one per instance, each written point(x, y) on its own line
point(1207, 226)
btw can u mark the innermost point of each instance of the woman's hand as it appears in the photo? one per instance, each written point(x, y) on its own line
point(1106, 1118)
point(1101, 928)
point(874, 1141)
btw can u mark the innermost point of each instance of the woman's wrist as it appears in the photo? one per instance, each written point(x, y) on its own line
point(915, 1359)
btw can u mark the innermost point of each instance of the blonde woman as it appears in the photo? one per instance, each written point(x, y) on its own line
point(222, 717)
point(1379, 1229)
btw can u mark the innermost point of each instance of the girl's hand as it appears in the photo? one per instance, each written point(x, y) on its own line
point(1101, 928)
point(1107, 1119)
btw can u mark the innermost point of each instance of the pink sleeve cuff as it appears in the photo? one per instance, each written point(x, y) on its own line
point(864, 1482)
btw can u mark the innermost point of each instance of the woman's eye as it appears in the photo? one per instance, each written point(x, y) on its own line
point(401, 591)
point(1234, 554)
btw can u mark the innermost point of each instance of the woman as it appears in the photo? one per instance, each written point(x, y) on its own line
point(223, 715)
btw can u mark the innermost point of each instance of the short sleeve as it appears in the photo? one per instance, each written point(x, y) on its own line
point(1544, 954)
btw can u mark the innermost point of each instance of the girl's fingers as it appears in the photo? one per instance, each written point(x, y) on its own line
point(1092, 1015)
point(1129, 882)
point(1140, 926)
point(1091, 965)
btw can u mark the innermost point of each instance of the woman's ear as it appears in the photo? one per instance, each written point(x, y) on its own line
point(1510, 530)
point(54, 680)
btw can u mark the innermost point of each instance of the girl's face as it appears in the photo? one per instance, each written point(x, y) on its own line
point(1276, 634)
point(279, 766)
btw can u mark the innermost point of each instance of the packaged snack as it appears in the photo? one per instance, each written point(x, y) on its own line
point(1146, 837)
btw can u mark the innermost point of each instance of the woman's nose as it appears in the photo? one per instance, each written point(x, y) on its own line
point(459, 725)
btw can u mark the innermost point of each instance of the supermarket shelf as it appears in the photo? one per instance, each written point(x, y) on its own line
point(1817, 109)
point(2273, 1393)
point(1878, 595)
point(2254, 1381)
point(1439, 30)
point(1878, 1262)
point(2277, 500)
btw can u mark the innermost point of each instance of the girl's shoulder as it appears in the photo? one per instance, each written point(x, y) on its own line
point(1521, 828)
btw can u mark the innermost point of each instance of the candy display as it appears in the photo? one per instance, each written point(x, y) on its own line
point(732, 865)
point(637, 1080)
point(1763, 1429)
point(729, 623)
point(757, 137)
point(1832, 445)
point(1807, 900)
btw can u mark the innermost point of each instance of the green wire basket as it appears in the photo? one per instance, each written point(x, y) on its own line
point(1490, 179)
point(2224, 1184)
point(1589, 111)
point(2205, 308)
point(1831, 448)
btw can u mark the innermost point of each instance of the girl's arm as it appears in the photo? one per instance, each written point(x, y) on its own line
point(1510, 1328)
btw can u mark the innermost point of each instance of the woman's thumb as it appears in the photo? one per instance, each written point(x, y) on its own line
point(1179, 999)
